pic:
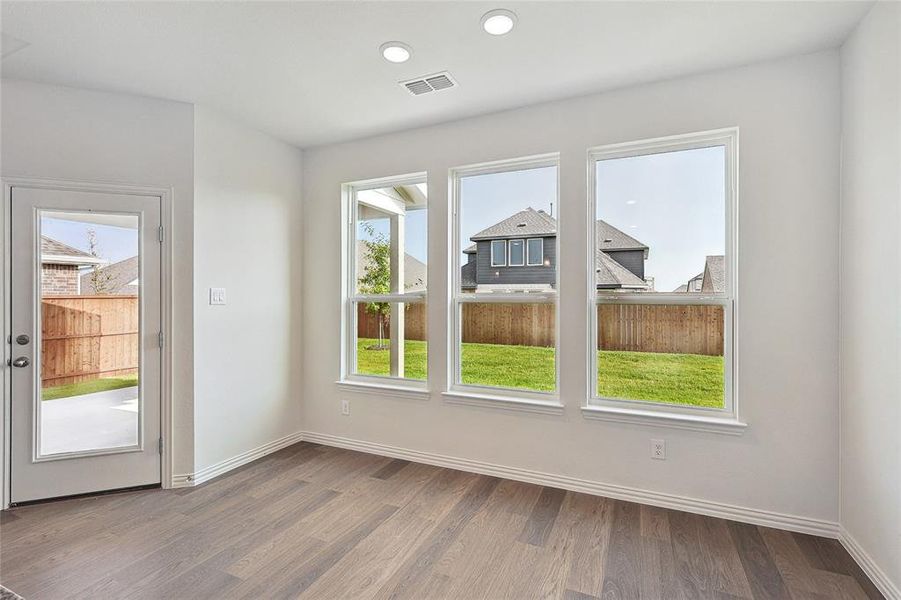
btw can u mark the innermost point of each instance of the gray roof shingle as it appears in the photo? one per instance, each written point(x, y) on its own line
point(528, 222)
point(120, 274)
point(714, 274)
point(414, 270)
point(611, 274)
point(52, 247)
point(610, 238)
point(534, 223)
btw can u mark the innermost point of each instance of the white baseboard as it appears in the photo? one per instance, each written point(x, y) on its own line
point(704, 507)
point(890, 590)
point(207, 473)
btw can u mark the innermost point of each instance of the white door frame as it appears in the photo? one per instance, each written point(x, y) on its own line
point(166, 409)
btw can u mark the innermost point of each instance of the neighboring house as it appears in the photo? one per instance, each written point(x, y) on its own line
point(520, 253)
point(59, 267)
point(711, 279)
point(414, 269)
point(119, 279)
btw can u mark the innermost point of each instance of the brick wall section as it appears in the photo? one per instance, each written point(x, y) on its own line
point(59, 280)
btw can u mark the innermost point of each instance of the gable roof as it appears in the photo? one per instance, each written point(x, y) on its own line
point(611, 274)
point(714, 274)
point(610, 238)
point(122, 276)
point(537, 223)
point(55, 252)
point(528, 222)
point(414, 269)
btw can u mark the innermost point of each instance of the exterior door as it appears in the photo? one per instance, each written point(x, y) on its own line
point(85, 376)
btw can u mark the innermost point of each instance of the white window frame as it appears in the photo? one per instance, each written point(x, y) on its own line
point(488, 396)
point(349, 379)
point(510, 262)
point(529, 254)
point(726, 419)
point(494, 262)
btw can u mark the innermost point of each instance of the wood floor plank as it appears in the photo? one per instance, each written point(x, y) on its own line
point(622, 568)
point(418, 567)
point(321, 522)
point(763, 576)
point(541, 520)
point(391, 469)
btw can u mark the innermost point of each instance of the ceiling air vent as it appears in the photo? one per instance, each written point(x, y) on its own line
point(429, 83)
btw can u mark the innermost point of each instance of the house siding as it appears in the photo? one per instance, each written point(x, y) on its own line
point(630, 259)
point(59, 280)
point(536, 275)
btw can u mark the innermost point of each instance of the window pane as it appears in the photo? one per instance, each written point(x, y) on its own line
point(498, 209)
point(90, 332)
point(509, 345)
point(498, 253)
point(661, 353)
point(535, 255)
point(382, 326)
point(517, 253)
point(661, 222)
point(392, 241)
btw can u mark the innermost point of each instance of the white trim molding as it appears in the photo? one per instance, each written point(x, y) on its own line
point(879, 578)
point(694, 505)
point(167, 409)
point(400, 392)
point(229, 464)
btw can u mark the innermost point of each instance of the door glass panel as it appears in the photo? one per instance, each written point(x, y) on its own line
point(89, 314)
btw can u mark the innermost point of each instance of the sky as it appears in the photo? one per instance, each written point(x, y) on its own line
point(673, 202)
point(113, 243)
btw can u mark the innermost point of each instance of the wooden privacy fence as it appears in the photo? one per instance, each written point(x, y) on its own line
point(681, 329)
point(88, 337)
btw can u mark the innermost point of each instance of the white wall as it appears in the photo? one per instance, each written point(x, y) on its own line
point(68, 133)
point(247, 239)
point(786, 462)
point(871, 288)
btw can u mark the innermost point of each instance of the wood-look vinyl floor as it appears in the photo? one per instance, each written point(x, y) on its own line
point(317, 522)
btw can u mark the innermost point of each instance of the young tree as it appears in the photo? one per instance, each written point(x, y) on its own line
point(101, 280)
point(376, 277)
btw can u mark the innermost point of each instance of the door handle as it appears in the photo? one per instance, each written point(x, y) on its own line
point(21, 362)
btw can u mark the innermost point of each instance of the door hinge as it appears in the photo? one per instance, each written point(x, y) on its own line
point(160, 446)
point(161, 339)
point(161, 234)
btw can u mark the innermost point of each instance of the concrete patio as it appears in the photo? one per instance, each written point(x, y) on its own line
point(89, 422)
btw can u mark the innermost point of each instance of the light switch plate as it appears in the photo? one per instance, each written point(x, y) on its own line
point(217, 295)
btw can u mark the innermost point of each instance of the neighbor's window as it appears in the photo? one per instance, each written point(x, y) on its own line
point(517, 253)
point(535, 252)
point(387, 281)
point(663, 272)
point(504, 310)
point(499, 253)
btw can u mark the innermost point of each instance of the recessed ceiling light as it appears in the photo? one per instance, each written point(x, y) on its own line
point(498, 21)
point(396, 52)
point(630, 201)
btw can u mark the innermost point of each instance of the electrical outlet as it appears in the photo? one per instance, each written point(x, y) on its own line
point(345, 408)
point(658, 449)
point(217, 295)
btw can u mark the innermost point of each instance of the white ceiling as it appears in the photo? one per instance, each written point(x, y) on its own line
point(310, 72)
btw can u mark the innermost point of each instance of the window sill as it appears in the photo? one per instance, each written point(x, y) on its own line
point(725, 426)
point(387, 390)
point(504, 403)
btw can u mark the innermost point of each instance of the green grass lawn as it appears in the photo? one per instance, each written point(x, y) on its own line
point(688, 379)
point(88, 387)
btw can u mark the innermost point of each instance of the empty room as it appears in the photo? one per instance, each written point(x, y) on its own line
point(450, 300)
